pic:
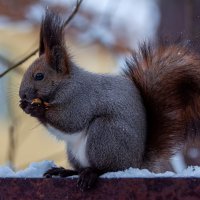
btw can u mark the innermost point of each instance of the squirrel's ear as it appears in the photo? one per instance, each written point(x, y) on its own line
point(52, 43)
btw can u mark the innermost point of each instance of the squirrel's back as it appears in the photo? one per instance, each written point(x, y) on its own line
point(168, 78)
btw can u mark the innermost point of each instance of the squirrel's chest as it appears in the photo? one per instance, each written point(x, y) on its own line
point(76, 144)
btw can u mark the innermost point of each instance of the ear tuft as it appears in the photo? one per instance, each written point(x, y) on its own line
point(52, 42)
point(58, 59)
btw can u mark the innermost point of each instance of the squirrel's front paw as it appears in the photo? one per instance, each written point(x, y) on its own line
point(35, 110)
point(59, 171)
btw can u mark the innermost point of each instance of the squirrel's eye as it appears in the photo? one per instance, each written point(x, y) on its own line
point(39, 76)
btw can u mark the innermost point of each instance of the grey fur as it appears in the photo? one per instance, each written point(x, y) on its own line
point(108, 107)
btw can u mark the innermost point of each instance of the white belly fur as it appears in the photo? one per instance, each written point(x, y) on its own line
point(75, 142)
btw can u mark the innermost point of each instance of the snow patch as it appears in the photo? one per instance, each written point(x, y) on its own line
point(192, 171)
point(36, 170)
point(135, 173)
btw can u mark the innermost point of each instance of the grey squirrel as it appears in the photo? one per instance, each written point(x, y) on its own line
point(113, 122)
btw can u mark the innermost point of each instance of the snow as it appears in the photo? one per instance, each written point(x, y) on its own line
point(36, 170)
point(135, 173)
point(192, 171)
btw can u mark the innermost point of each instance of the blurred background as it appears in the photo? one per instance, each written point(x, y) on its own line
point(99, 37)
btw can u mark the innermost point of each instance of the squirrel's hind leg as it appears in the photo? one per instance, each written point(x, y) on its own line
point(88, 177)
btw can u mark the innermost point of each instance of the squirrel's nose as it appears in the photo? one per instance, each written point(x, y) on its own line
point(28, 94)
point(22, 94)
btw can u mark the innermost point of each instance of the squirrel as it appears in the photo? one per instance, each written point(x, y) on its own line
point(138, 119)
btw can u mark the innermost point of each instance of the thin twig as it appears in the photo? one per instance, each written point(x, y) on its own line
point(7, 62)
point(11, 152)
point(19, 63)
point(78, 3)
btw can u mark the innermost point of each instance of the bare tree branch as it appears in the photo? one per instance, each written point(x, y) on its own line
point(7, 62)
point(11, 150)
point(19, 63)
point(78, 3)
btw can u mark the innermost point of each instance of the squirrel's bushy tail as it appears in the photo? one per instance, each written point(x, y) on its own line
point(168, 78)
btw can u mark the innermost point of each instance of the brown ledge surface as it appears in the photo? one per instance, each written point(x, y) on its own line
point(123, 188)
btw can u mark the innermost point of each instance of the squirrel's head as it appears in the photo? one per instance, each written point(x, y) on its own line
point(53, 65)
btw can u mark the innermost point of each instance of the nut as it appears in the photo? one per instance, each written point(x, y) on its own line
point(36, 101)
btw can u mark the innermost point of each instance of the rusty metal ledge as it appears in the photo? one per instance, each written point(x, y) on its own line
point(123, 188)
